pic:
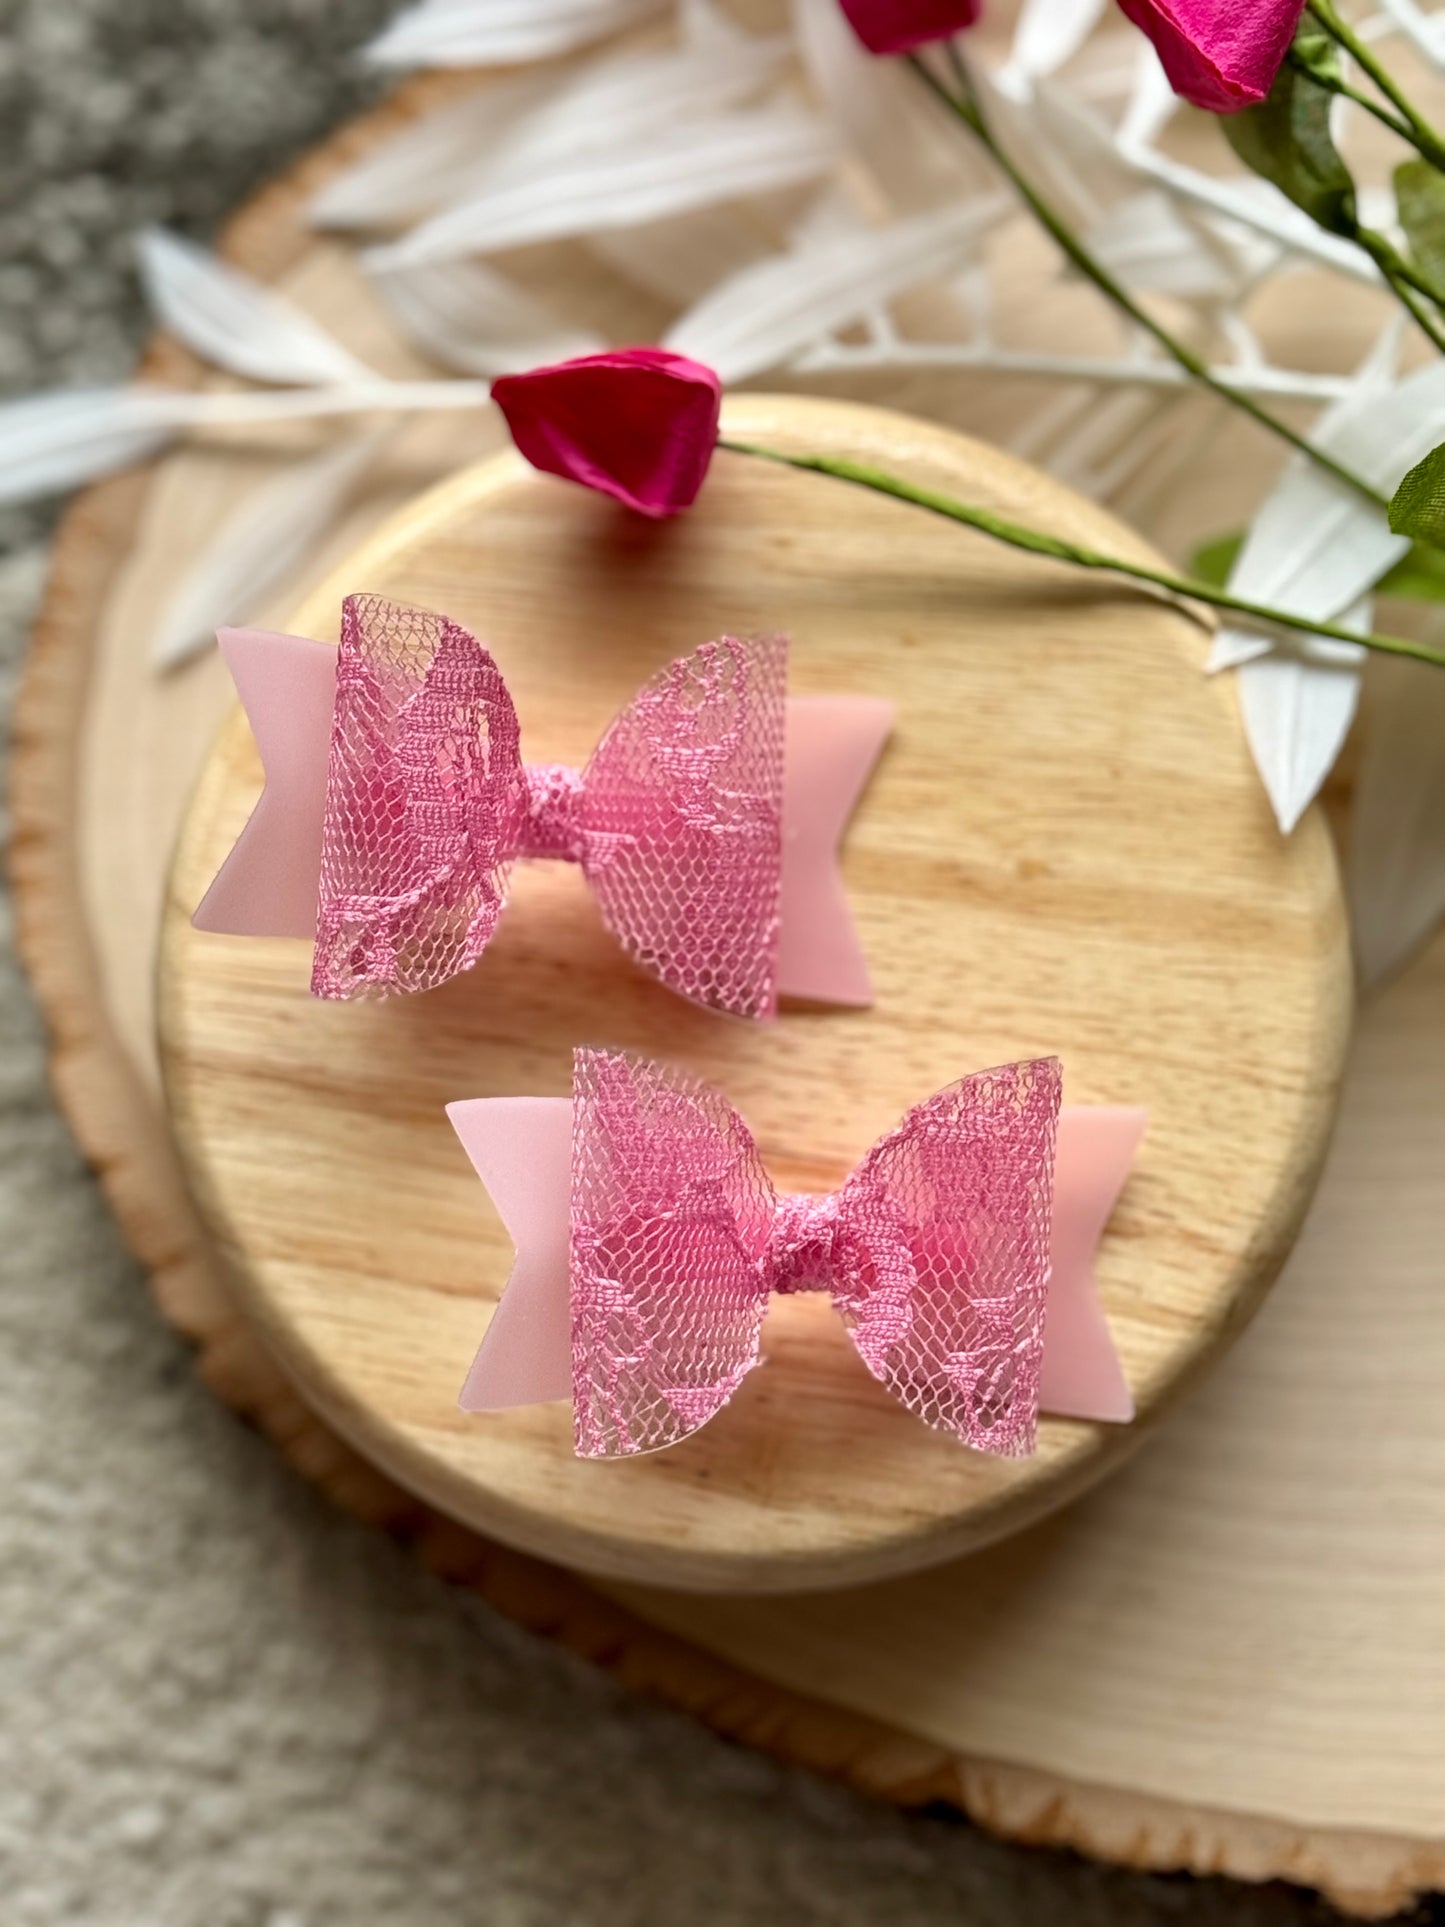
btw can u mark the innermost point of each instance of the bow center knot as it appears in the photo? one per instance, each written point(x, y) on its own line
point(552, 820)
point(803, 1249)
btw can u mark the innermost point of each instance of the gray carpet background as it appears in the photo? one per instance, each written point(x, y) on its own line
point(221, 1703)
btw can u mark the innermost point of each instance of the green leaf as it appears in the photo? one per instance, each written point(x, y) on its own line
point(1420, 197)
point(1418, 507)
point(1286, 138)
point(1419, 575)
point(1213, 561)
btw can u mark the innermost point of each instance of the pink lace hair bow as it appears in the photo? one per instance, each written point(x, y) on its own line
point(649, 1238)
point(707, 820)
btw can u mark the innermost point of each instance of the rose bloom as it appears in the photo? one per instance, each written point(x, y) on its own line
point(1220, 54)
point(639, 424)
point(897, 26)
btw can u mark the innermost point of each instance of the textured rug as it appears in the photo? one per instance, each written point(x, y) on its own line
point(221, 1703)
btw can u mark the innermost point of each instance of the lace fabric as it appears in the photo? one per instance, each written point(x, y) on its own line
point(935, 1252)
point(676, 820)
point(683, 820)
point(423, 804)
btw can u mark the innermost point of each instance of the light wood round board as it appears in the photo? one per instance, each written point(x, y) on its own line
point(1064, 852)
point(1227, 1658)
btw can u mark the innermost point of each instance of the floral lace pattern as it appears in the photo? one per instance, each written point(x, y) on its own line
point(935, 1252)
point(676, 820)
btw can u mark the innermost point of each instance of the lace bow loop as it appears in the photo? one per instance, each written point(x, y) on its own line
point(683, 814)
point(951, 1216)
point(424, 800)
point(670, 1210)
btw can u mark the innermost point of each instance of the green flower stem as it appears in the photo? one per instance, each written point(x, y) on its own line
point(1400, 128)
point(1421, 135)
point(1035, 542)
point(969, 111)
point(1406, 283)
point(1394, 264)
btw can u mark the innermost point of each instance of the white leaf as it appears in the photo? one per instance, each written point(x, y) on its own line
point(481, 33)
point(784, 303)
point(725, 157)
point(1297, 703)
point(539, 122)
point(268, 535)
point(1152, 100)
point(911, 145)
point(1062, 146)
point(1425, 30)
point(682, 258)
point(1047, 34)
point(1252, 203)
point(707, 28)
point(429, 161)
point(624, 101)
point(1317, 546)
point(1396, 871)
point(467, 316)
point(1113, 438)
point(1151, 244)
point(234, 321)
point(49, 443)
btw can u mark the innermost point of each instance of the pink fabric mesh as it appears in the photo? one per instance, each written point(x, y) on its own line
point(671, 1211)
point(422, 803)
point(951, 1216)
point(676, 821)
point(935, 1252)
point(684, 824)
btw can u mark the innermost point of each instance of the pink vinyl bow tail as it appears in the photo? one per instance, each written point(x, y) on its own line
point(935, 1253)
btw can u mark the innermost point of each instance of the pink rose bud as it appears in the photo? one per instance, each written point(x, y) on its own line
point(636, 423)
point(1222, 55)
point(897, 26)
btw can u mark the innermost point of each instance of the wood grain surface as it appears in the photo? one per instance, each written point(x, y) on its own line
point(1063, 852)
point(1279, 1545)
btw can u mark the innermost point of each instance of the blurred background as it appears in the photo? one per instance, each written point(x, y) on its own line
point(222, 1704)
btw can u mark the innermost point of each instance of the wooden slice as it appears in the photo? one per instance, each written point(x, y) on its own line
point(1065, 851)
point(1097, 1682)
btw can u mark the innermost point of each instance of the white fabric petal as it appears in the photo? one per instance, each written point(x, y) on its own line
point(49, 443)
point(911, 145)
point(1426, 31)
point(430, 161)
point(1297, 705)
point(254, 550)
point(1046, 35)
point(234, 321)
point(467, 316)
point(782, 304)
point(481, 33)
point(545, 121)
point(721, 158)
point(1316, 548)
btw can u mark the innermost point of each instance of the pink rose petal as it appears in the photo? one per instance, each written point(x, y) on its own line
point(897, 26)
point(639, 424)
point(1222, 55)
